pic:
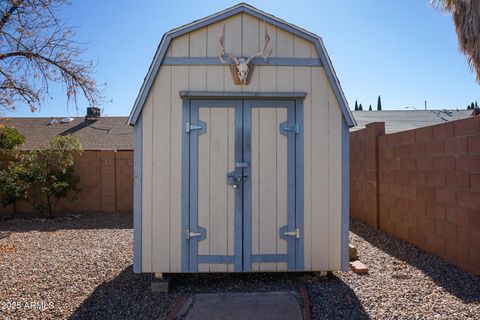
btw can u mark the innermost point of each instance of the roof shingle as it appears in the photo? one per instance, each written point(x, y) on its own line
point(401, 120)
point(107, 133)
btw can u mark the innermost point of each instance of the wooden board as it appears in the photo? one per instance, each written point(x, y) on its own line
point(303, 82)
point(179, 78)
point(161, 172)
point(320, 171)
point(147, 136)
point(335, 183)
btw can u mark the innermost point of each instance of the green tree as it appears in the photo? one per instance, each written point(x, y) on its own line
point(53, 173)
point(370, 108)
point(356, 105)
point(13, 184)
point(10, 138)
point(472, 106)
point(11, 187)
point(379, 104)
point(360, 107)
point(42, 177)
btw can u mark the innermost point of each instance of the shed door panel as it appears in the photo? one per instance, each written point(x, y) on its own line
point(270, 132)
point(269, 186)
point(242, 201)
point(214, 233)
point(216, 150)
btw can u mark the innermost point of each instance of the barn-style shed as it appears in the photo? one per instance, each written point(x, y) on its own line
point(241, 150)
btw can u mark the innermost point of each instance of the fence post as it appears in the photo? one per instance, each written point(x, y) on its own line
point(364, 173)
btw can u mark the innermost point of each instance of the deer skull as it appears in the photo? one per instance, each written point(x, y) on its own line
point(242, 70)
point(242, 65)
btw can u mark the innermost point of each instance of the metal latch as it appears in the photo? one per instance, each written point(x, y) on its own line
point(201, 234)
point(234, 178)
point(294, 128)
point(189, 127)
point(294, 233)
point(241, 164)
point(190, 234)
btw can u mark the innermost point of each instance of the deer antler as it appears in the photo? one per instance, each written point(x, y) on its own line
point(222, 52)
point(264, 54)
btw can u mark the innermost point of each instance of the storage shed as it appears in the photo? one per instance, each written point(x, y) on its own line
point(241, 150)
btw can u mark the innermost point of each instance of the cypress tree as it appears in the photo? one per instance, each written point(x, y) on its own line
point(379, 104)
point(356, 105)
point(360, 107)
point(472, 106)
point(370, 108)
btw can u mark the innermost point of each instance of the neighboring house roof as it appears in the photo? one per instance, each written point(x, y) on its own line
point(241, 7)
point(401, 120)
point(107, 133)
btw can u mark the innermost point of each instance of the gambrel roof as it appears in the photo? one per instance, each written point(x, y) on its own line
point(239, 8)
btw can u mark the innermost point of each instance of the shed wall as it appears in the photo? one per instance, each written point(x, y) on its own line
point(161, 121)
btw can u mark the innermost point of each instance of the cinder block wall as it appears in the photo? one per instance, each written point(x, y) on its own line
point(364, 173)
point(106, 183)
point(429, 188)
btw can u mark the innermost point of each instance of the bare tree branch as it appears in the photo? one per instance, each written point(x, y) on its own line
point(37, 49)
point(6, 15)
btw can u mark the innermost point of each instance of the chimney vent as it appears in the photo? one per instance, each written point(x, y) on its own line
point(93, 113)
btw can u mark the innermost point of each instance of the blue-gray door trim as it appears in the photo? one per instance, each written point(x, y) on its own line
point(185, 224)
point(299, 185)
point(242, 258)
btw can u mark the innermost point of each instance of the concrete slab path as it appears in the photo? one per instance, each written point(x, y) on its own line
point(250, 306)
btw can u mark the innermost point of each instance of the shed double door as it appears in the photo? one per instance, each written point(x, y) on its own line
point(242, 186)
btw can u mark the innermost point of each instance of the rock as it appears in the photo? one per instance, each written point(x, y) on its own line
point(352, 251)
point(160, 286)
point(4, 234)
point(358, 267)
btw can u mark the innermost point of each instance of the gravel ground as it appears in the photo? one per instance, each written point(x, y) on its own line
point(80, 268)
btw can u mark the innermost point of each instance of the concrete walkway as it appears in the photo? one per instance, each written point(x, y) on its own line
point(250, 306)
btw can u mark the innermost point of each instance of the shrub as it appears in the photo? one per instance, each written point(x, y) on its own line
point(10, 138)
point(42, 177)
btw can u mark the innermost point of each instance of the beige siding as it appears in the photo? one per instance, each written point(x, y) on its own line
point(334, 182)
point(320, 194)
point(162, 130)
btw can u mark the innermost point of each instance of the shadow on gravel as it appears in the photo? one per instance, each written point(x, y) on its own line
point(453, 279)
point(75, 222)
point(128, 296)
point(331, 298)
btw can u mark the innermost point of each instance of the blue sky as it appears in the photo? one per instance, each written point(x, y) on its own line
point(406, 51)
